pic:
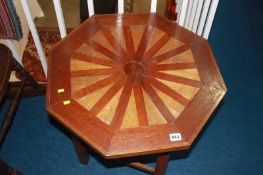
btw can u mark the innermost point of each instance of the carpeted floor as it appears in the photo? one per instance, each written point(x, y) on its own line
point(231, 144)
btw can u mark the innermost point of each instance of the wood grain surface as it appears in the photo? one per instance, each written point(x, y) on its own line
point(131, 80)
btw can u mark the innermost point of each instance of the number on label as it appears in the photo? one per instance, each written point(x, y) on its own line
point(175, 137)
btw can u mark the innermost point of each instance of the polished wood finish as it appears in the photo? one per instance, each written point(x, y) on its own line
point(161, 164)
point(81, 150)
point(124, 83)
point(142, 167)
point(160, 167)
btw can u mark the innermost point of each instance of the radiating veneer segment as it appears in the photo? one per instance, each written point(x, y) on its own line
point(89, 100)
point(107, 112)
point(122, 104)
point(172, 43)
point(92, 59)
point(153, 114)
point(186, 91)
point(146, 37)
point(175, 66)
point(108, 99)
point(159, 104)
point(166, 55)
point(156, 47)
point(119, 34)
point(172, 104)
point(137, 32)
point(129, 42)
point(191, 74)
point(84, 65)
point(184, 57)
point(100, 38)
point(140, 105)
point(115, 42)
point(89, 51)
point(174, 78)
point(130, 119)
point(78, 83)
point(155, 37)
point(169, 91)
point(97, 85)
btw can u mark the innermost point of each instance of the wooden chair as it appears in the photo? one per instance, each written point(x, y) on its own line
point(7, 64)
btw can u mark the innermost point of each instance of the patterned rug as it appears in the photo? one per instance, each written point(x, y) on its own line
point(10, 27)
point(30, 60)
point(170, 11)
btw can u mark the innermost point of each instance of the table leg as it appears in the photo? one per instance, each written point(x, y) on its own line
point(161, 164)
point(81, 150)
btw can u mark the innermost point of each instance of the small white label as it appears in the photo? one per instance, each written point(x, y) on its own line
point(175, 137)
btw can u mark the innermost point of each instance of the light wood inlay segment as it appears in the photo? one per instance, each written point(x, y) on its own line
point(186, 73)
point(92, 98)
point(184, 57)
point(130, 119)
point(107, 113)
point(83, 65)
point(100, 38)
point(156, 36)
point(92, 59)
point(86, 49)
point(137, 32)
point(79, 83)
point(171, 44)
point(153, 115)
point(173, 106)
point(118, 32)
point(184, 90)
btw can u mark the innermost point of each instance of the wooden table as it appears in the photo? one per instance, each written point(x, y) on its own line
point(130, 85)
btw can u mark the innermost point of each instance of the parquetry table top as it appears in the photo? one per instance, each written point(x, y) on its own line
point(133, 84)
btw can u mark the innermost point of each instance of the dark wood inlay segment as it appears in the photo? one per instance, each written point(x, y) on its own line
point(129, 41)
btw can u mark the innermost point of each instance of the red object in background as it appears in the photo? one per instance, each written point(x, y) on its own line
point(170, 12)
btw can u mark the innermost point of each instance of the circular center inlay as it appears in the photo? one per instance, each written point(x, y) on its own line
point(134, 68)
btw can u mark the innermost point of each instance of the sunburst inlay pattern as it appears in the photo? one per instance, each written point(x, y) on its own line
point(134, 76)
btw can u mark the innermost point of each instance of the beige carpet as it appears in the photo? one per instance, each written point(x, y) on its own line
point(71, 11)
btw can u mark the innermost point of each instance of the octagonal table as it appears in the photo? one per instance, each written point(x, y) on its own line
point(131, 85)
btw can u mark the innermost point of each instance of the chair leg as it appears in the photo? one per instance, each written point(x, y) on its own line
point(25, 74)
point(5, 169)
point(81, 150)
point(32, 88)
point(161, 164)
point(7, 122)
